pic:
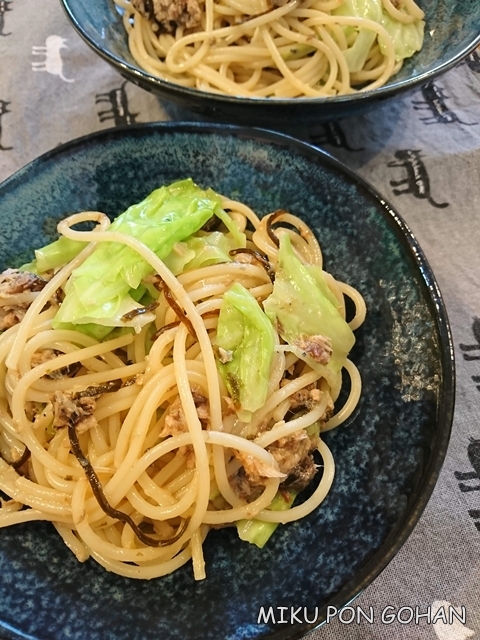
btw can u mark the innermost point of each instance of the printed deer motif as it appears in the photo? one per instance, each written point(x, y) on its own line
point(4, 7)
point(3, 110)
point(468, 348)
point(53, 62)
point(434, 101)
point(118, 109)
point(475, 515)
point(416, 181)
point(473, 453)
point(334, 136)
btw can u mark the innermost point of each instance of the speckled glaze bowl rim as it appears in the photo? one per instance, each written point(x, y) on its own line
point(140, 77)
point(446, 401)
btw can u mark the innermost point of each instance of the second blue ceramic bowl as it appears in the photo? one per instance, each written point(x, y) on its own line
point(452, 32)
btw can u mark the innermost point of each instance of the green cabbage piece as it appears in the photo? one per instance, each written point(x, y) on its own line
point(103, 288)
point(302, 305)
point(246, 343)
point(202, 251)
point(407, 38)
point(258, 532)
point(356, 55)
point(54, 255)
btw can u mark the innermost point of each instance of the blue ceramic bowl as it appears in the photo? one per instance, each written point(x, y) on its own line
point(387, 458)
point(453, 30)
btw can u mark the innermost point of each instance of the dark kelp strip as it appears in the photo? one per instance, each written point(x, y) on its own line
point(259, 257)
point(95, 483)
point(161, 285)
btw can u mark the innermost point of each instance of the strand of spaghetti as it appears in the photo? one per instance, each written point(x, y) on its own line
point(72, 339)
point(413, 8)
point(163, 513)
point(56, 482)
point(358, 301)
point(195, 429)
point(314, 20)
point(249, 84)
point(140, 53)
point(13, 448)
point(285, 429)
point(172, 507)
point(6, 422)
point(216, 80)
point(18, 396)
point(302, 87)
point(45, 493)
point(352, 400)
point(30, 440)
point(41, 323)
point(136, 423)
point(284, 392)
point(334, 287)
point(78, 549)
point(249, 510)
point(189, 61)
point(246, 211)
point(221, 477)
point(169, 470)
point(153, 489)
point(331, 59)
point(226, 269)
point(175, 442)
point(342, 63)
point(115, 403)
point(315, 252)
point(396, 14)
point(314, 70)
point(10, 484)
point(363, 76)
point(143, 572)
point(196, 546)
point(224, 32)
point(160, 348)
point(94, 541)
point(51, 287)
point(39, 472)
point(180, 482)
point(90, 379)
point(182, 298)
point(30, 515)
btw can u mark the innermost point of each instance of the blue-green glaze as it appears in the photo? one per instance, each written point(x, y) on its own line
point(452, 31)
point(387, 458)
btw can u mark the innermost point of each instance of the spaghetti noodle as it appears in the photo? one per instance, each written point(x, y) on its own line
point(270, 48)
point(134, 445)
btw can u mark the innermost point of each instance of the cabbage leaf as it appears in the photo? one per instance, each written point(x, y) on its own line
point(305, 311)
point(245, 346)
point(407, 37)
point(102, 290)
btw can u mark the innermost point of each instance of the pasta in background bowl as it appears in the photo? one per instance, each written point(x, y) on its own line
point(387, 454)
point(273, 64)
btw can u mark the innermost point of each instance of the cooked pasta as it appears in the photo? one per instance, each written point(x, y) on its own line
point(273, 48)
point(135, 442)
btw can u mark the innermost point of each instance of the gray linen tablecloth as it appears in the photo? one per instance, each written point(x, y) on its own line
point(423, 153)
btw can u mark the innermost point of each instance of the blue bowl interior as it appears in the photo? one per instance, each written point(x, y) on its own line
point(387, 458)
point(452, 30)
